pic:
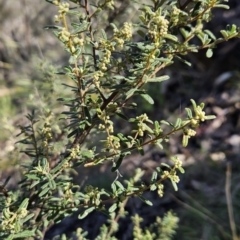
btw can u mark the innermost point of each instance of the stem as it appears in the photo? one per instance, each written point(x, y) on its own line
point(229, 201)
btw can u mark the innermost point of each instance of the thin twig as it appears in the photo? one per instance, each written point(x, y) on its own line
point(229, 201)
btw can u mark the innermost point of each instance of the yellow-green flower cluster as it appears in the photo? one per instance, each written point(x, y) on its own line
point(78, 41)
point(63, 9)
point(143, 118)
point(194, 123)
point(93, 195)
point(110, 4)
point(67, 192)
point(75, 152)
point(141, 125)
point(64, 35)
point(108, 124)
point(11, 220)
point(200, 114)
point(158, 26)
point(47, 134)
point(96, 77)
point(112, 142)
point(177, 163)
point(189, 132)
point(70, 42)
point(102, 65)
point(160, 190)
point(172, 175)
point(123, 34)
point(175, 15)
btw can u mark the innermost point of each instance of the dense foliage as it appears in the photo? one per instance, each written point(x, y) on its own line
point(110, 65)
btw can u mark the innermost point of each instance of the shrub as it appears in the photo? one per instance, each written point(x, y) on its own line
point(110, 66)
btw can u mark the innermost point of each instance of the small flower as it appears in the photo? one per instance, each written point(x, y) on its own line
point(200, 114)
point(175, 178)
point(160, 190)
point(165, 174)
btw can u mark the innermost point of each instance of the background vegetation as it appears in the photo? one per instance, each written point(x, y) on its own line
point(27, 56)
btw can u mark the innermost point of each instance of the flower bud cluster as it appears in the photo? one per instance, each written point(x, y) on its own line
point(75, 152)
point(141, 125)
point(110, 4)
point(102, 65)
point(200, 114)
point(64, 35)
point(70, 41)
point(177, 163)
point(108, 124)
point(175, 15)
point(172, 175)
point(123, 34)
point(63, 9)
point(96, 77)
point(190, 132)
point(160, 190)
point(11, 220)
point(47, 135)
point(158, 27)
point(78, 41)
point(112, 142)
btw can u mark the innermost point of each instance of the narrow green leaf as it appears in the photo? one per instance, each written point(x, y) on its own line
point(121, 116)
point(147, 128)
point(29, 216)
point(146, 201)
point(141, 34)
point(189, 112)
point(225, 34)
point(165, 122)
point(6, 181)
point(131, 92)
point(193, 103)
point(104, 35)
point(165, 165)
point(25, 234)
point(209, 53)
point(183, 60)
point(209, 117)
point(181, 170)
point(119, 185)
point(185, 140)
point(221, 6)
point(34, 184)
point(141, 151)
point(158, 79)
point(24, 203)
point(113, 186)
point(118, 163)
point(178, 123)
point(174, 185)
point(148, 98)
point(85, 213)
point(184, 32)
point(171, 37)
point(52, 27)
point(112, 208)
point(154, 176)
point(44, 191)
point(210, 34)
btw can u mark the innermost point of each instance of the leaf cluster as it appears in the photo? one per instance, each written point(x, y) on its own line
point(106, 70)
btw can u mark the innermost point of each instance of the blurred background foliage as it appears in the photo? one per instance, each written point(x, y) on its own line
point(29, 56)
